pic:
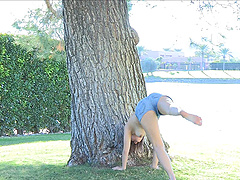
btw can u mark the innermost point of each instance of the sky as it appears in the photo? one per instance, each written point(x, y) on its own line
point(171, 24)
point(160, 24)
point(12, 10)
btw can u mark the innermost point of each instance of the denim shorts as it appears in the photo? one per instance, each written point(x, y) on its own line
point(148, 104)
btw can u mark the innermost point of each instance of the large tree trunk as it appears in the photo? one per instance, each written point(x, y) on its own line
point(105, 77)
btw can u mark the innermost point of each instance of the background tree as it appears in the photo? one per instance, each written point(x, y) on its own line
point(224, 52)
point(201, 51)
point(159, 62)
point(177, 50)
point(167, 49)
point(141, 50)
point(189, 61)
point(45, 32)
point(148, 65)
point(106, 80)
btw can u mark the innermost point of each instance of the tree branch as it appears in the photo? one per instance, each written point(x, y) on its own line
point(49, 6)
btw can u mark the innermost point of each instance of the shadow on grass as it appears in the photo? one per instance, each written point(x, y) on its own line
point(5, 141)
point(11, 171)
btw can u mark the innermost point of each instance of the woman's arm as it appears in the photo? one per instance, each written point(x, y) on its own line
point(126, 148)
point(155, 160)
point(126, 145)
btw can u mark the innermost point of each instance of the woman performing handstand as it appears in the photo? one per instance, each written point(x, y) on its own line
point(145, 121)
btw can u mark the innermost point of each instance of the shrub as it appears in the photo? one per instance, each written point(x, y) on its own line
point(148, 66)
point(34, 94)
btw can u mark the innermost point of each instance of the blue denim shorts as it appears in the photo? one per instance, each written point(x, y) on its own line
point(148, 104)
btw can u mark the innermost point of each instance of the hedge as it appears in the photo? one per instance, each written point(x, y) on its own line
point(34, 93)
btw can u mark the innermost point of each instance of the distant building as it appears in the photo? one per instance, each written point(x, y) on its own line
point(175, 60)
point(158, 54)
point(183, 63)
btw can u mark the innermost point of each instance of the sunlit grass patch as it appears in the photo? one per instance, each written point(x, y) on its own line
point(46, 156)
point(223, 164)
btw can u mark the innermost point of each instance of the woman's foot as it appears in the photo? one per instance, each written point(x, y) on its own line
point(191, 117)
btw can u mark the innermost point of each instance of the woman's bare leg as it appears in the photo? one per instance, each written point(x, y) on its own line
point(149, 123)
point(167, 107)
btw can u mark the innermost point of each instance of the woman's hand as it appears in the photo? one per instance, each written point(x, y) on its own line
point(118, 168)
point(154, 167)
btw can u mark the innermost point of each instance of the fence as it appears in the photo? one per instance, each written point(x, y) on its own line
point(197, 66)
point(225, 66)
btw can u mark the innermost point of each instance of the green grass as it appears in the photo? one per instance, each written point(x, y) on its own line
point(45, 157)
point(33, 138)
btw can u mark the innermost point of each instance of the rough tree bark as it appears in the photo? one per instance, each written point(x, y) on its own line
point(106, 79)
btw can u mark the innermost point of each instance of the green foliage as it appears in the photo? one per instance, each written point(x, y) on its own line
point(141, 50)
point(34, 93)
point(177, 50)
point(225, 52)
point(129, 5)
point(41, 22)
point(201, 49)
point(148, 65)
point(167, 49)
point(45, 33)
point(40, 98)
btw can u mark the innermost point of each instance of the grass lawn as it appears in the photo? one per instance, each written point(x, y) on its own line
point(45, 157)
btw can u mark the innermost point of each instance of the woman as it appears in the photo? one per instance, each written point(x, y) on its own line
point(145, 121)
